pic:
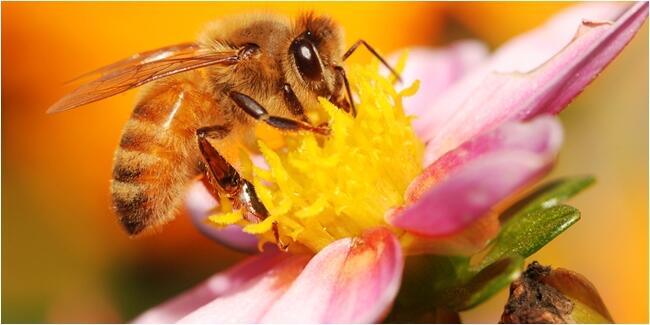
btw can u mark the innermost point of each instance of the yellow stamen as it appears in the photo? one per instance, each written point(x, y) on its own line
point(322, 189)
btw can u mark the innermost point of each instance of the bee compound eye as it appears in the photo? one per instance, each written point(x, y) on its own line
point(307, 60)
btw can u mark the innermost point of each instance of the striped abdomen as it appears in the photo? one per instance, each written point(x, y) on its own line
point(157, 156)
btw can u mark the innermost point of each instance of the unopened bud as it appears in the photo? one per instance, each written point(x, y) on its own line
point(544, 295)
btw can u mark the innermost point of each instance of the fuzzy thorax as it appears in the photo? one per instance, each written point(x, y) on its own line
point(319, 189)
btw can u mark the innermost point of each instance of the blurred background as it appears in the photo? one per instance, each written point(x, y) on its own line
point(64, 257)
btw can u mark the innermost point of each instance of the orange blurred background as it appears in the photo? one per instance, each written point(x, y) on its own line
point(64, 257)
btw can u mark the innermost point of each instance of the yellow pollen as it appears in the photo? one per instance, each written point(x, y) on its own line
point(320, 189)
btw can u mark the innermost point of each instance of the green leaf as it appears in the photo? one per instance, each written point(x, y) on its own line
point(484, 284)
point(526, 233)
point(549, 195)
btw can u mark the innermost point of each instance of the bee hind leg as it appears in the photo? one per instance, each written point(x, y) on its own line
point(227, 181)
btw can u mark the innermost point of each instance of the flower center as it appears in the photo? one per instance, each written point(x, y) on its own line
point(320, 189)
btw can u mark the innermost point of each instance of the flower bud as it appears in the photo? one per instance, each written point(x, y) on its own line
point(546, 295)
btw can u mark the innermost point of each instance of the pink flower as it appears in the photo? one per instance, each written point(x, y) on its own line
point(489, 130)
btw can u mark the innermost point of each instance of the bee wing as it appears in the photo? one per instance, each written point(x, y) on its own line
point(140, 69)
point(142, 57)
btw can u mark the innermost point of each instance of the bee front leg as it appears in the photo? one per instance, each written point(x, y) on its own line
point(228, 181)
point(255, 110)
point(351, 108)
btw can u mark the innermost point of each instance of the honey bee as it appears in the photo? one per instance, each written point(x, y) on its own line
point(205, 97)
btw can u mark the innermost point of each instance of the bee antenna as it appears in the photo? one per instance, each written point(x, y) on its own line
point(375, 53)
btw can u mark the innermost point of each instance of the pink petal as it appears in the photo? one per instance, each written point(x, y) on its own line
point(530, 50)
point(437, 70)
point(594, 56)
point(249, 300)
point(541, 135)
point(218, 285)
point(469, 193)
point(350, 281)
point(200, 205)
point(470, 180)
point(494, 93)
point(466, 242)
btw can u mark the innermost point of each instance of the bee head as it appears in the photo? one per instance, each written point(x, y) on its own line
point(314, 53)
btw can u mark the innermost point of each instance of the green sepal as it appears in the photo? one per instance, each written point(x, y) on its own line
point(426, 277)
point(445, 283)
point(534, 221)
point(548, 195)
point(483, 284)
point(525, 234)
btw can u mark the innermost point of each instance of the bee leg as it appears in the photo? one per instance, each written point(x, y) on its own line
point(292, 102)
point(295, 106)
point(254, 109)
point(341, 72)
point(228, 181)
point(372, 50)
point(276, 235)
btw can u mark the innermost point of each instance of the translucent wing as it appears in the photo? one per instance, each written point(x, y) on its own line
point(143, 57)
point(140, 69)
